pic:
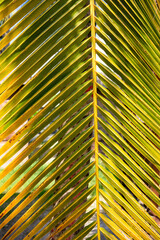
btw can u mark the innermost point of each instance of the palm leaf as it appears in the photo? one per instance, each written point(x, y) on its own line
point(79, 119)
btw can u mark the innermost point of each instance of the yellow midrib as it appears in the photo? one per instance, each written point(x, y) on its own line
point(93, 42)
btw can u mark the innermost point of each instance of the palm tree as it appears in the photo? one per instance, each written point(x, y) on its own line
point(89, 109)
